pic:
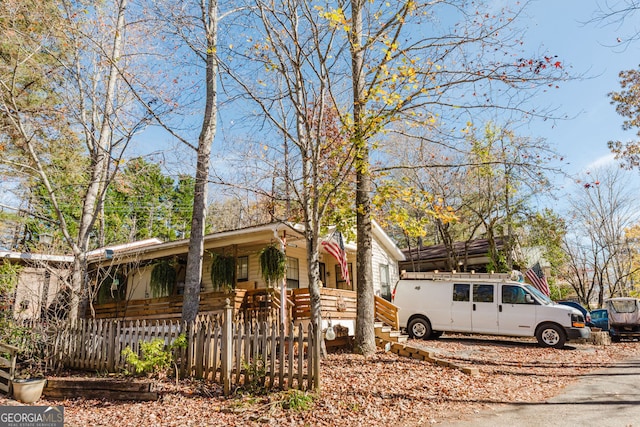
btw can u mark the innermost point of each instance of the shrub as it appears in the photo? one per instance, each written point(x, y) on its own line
point(297, 400)
point(256, 371)
point(156, 357)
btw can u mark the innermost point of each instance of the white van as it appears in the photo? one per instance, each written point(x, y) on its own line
point(432, 303)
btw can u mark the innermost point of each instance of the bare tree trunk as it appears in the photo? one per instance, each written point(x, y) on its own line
point(101, 158)
point(193, 275)
point(365, 343)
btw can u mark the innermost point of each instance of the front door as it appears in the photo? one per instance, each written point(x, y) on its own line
point(517, 311)
point(323, 273)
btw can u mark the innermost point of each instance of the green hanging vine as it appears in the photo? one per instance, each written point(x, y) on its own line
point(163, 279)
point(223, 269)
point(273, 264)
point(9, 274)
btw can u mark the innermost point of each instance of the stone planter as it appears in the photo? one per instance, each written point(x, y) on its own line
point(28, 391)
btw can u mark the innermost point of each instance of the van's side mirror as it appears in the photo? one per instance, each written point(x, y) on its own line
point(528, 299)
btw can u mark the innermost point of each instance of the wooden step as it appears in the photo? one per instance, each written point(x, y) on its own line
point(424, 355)
point(386, 333)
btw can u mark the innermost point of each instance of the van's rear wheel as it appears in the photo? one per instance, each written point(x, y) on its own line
point(550, 335)
point(419, 328)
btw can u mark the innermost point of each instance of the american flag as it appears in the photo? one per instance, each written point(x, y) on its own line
point(335, 246)
point(537, 279)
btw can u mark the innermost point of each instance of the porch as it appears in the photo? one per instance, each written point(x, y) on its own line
point(337, 306)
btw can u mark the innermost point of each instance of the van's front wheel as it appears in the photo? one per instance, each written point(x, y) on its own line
point(550, 335)
point(419, 328)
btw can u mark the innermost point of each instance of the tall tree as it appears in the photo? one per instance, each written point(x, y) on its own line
point(193, 28)
point(397, 71)
point(627, 102)
point(506, 171)
point(310, 154)
point(29, 139)
point(599, 262)
point(401, 73)
point(81, 55)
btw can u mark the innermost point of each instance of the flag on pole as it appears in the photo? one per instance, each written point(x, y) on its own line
point(335, 246)
point(537, 279)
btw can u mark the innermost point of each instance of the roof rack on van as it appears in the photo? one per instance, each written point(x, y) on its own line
point(437, 275)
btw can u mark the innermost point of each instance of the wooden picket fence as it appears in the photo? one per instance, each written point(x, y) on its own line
point(235, 354)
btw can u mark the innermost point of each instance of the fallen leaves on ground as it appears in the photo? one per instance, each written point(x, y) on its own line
point(382, 390)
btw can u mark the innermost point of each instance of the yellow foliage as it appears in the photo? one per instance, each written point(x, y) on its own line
point(335, 17)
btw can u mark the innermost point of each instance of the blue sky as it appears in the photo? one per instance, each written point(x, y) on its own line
point(590, 50)
point(561, 27)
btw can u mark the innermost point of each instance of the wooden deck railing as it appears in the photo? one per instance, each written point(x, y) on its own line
point(335, 304)
point(165, 307)
point(386, 313)
point(8, 354)
point(255, 304)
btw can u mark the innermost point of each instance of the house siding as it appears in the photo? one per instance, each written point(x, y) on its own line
point(382, 257)
point(255, 280)
point(36, 291)
point(330, 265)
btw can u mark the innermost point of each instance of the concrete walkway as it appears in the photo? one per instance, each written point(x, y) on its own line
point(605, 398)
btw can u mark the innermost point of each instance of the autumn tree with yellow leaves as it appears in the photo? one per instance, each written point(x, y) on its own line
point(382, 67)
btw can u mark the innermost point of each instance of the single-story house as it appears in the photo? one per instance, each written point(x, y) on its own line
point(125, 286)
point(124, 283)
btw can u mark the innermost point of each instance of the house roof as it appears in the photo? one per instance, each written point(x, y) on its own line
point(96, 253)
point(28, 256)
point(261, 233)
point(264, 233)
point(137, 245)
point(153, 248)
point(437, 252)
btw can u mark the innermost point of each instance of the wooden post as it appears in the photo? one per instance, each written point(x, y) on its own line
point(227, 347)
point(283, 285)
point(111, 346)
point(317, 341)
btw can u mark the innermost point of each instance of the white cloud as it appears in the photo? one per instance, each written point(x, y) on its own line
point(606, 160)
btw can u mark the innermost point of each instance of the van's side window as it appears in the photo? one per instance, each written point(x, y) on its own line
point(513, 295)
point(461, 292)
point(482, 293)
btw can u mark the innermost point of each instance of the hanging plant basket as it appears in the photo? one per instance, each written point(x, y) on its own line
point(163, 279)
point(223, 269)
point(273, 264)
point(112, 288)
